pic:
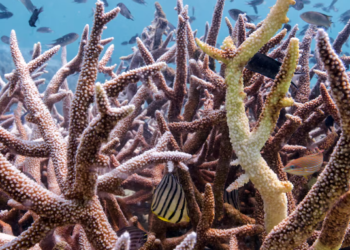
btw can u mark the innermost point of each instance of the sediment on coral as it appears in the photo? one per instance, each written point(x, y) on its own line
point(84, 178)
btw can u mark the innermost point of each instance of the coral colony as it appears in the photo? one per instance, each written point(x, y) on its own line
point(197, 157)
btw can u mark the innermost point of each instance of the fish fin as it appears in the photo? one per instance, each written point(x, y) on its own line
point(186, 218)
point(305, 176)
point(294, 85)
point(255, 9)
point(161, 218)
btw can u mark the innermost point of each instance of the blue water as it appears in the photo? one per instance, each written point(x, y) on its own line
point(65, 16)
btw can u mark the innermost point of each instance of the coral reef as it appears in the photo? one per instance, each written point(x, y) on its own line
point(84, 178)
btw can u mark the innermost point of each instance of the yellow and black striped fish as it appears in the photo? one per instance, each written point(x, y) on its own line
point(169, 202)
point(232, 198)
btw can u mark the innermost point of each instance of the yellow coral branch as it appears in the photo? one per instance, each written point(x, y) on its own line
point(246, 147)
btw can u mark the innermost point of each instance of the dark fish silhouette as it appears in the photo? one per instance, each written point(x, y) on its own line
point(44, 30)
point(303, 30)
point(267, 66)
point(329, 122)
point(133, 39)
point(35, 17)
point(344, 18)
point(2, 7)
point(5, 15)
point(65, 40)
point(287, 26)
point(124, 11)
point(299, 5)
point(105, 3)
point(318, 5)
point(317, 18)
point(5, 39)
point(171, 27)
point(80, 1)
point(235, 12)
point(125, 43)
point(140, 2)
point(138, 237)
point(192, 18)
point(254, 3)
point(28, 4)
point(331, 6)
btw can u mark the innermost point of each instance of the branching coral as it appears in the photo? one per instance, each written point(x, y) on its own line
point(84, 178)
point(292, 231)
point(248, 145)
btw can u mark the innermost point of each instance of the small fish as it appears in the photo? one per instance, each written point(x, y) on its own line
point(193, 10)
point(345, 17)
point(124, 11)
point(287, 26)
point(299, 5)
point(105, 3)
point(317, 18)
point(329, 122)
point(140, 2)
point(235, 12)
point(171, 27)
point(138, 237)
point(254, 3)
point(29, 5)
point(5, 39)
point(44, 30)
point(318, 5)
point(65, 40)
point(192, 18)
point(303, 30)
point(79, 1)
point(3, 7)
point(232, 198)
point(5, 15)
point(125, 43)
point(35, 17)
point(331, 6)
point(168, 202)
point(267, 66)
point(133, 39)
point(306, 165)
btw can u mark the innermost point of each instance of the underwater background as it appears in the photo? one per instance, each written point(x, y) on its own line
point(66, 16)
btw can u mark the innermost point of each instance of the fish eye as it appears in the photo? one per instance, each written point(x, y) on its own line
point(292, 167)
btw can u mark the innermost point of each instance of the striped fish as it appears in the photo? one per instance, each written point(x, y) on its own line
point(138, 237)
point(169, 202)
point(232, 198)
point(306, 165)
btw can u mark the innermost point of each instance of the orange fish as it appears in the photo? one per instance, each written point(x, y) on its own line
point(306, 165)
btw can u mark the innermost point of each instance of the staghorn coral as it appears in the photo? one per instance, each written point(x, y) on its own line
point(246, 145)
point(73, 180)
